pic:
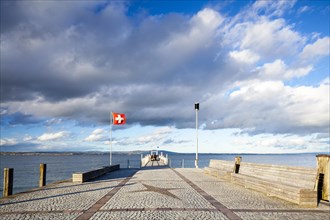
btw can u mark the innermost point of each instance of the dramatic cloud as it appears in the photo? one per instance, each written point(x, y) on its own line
point(80, 60)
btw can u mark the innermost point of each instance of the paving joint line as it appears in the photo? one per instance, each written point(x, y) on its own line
point(98, 204)
point(223, 209)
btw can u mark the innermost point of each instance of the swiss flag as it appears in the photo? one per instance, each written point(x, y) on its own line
point(118, 118)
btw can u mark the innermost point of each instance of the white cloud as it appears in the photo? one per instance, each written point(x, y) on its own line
point(156, 136)
point(273, 8)
point(271, 38)
point(280, 71)
point(52, 136)
point(309, 105)
point(303, 9)
point(319, 48)
point(209, 17)
point(183, 45)
point(97, 135)
point(282, 142)
point(273, 107)
point(28, 138)
point(153, 138)
point(64, 108)
point(326, 81)
point(8, 141)
point(3, 111)
point(244, 56)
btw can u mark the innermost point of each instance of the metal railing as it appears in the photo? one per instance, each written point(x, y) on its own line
point(186, 163)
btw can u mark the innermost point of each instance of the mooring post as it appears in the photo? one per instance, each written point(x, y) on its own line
point(128, 165)
point(237, 164)
point(323, 181)
point(8, 178)
point(42, 177)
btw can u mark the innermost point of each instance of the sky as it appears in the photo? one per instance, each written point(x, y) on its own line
point(259, 69)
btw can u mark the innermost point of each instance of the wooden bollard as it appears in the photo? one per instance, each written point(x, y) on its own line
point(8, 178)
point(323, 171)
point(237, 164)
point(42, 178)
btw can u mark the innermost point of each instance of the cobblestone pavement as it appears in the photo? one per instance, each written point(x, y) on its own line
point(150, 193)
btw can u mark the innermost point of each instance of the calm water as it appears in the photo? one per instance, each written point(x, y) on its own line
point(26, 168)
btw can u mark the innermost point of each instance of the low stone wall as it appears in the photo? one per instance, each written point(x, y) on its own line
point(304, 186)
point(85, 176)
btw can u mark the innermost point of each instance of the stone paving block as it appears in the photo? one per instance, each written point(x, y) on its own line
point(185, 193)
point(64, 197)
point(43, 216)
point(168, 215)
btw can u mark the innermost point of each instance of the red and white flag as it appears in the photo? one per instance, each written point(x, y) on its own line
point(118, 118)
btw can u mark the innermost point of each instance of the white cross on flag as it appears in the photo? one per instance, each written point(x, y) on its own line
point(118, 118)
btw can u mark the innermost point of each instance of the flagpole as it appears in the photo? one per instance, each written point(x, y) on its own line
point(111, 123)
point(196, 109)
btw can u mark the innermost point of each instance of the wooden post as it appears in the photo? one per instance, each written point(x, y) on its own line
point(8, 178)
point(237, 164)
point(323, 177)
point(42, 178)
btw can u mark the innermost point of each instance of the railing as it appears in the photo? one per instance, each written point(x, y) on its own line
point(187, 163)
point(131, 164)
point(164, 159)
point(145, 160)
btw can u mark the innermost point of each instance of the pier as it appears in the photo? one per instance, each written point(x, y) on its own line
point(155, 191)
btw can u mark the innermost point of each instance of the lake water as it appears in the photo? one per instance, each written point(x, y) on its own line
point(26, 167)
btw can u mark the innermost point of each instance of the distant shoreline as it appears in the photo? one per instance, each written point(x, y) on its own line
point(134, 152)
point(62, 153)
